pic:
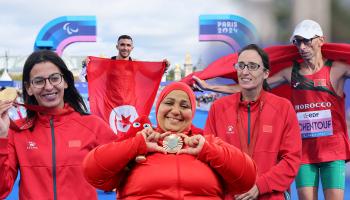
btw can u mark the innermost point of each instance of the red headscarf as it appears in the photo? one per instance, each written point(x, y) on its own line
point(177, 86)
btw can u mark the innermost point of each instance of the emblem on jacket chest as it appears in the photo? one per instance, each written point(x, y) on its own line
point(230, 129)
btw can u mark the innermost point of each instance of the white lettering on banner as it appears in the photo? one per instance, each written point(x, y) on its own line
point(315, 123)
point(227, 27)
point(313, 105)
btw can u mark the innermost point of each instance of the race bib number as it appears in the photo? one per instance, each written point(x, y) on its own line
point(315, 123)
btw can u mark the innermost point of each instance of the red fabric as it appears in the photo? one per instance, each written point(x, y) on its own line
point(326, 148)
point(24, 123)
point(280, 57)
point(138, 125)
point(169, 176)
point(115, 83)
point(275, 141)
point(30, 152)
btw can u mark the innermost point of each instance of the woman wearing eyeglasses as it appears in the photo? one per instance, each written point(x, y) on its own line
point(261, 124)
point(48, 147)
point(318, 85)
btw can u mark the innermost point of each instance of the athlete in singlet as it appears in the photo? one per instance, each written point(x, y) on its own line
point(321, 116)
point(318, 98)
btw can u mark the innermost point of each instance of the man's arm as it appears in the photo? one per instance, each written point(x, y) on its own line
point(228, 89)
point(167, 65)
point(340, 71)
point(283, 76)
point(347, 71)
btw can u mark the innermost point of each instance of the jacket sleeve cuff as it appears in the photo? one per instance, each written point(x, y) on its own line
point(262, 185)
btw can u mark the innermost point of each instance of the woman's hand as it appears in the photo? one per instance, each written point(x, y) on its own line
point(194, 144)
point(253, 193)
point(151, 138)
point(4, 118)
point(167, 64)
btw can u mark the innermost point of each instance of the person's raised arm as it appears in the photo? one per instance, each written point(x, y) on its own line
point(8, 157)
point(281, 77)
point(347, 71)
point(4, 118)
point(167, 64)
point(340, 71)
point(227, 89)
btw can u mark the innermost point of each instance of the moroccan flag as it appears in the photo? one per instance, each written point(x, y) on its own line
point(281, 57)
point(120, 90)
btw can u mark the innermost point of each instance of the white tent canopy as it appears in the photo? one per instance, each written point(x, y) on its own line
point(5, 76)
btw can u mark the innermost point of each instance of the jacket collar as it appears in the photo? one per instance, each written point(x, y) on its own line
point(43, 116)
point(253, 104)
point(57, 115)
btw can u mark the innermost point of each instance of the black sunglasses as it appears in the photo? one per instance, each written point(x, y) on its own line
point(307, 42)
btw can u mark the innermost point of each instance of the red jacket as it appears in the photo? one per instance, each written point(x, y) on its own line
point(169, 176)
point(51, 166)
point(274, 139)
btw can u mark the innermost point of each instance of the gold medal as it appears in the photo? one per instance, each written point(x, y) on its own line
point(172, 143)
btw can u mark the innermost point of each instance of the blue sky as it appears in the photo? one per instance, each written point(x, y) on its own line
point(160, 28)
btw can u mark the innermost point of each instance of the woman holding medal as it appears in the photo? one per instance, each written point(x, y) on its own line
point(49, 145)
point(180, 162)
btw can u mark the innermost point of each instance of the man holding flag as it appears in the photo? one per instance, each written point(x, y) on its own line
point(121, 88)
point(124, 46)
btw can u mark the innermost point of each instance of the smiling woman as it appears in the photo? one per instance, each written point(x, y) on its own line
point(180, 162)
point(46, 85)
point(261, 124)
point(176, 110)
point(47, 147)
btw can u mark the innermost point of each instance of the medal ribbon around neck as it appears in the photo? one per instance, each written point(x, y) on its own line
point(38, 109)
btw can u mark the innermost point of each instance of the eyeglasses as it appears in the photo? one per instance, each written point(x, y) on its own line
point(251, 66)
point(307, 42)
point(54, 79)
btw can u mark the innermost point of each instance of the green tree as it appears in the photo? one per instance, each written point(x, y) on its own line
point(171, 75)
